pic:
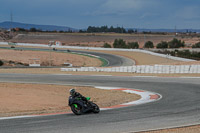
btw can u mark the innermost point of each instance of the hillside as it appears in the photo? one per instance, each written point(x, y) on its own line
point(8, 25)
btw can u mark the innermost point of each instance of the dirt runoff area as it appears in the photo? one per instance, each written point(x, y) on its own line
point(13, 57)
point(26, 99)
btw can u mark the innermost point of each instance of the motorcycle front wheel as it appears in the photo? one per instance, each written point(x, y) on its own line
point(96, 108)
point(76, 109)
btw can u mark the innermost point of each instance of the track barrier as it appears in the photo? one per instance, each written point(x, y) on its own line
point(168, 69)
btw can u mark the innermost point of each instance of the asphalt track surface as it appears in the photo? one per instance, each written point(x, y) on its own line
point(179, 106)
point(113, 60)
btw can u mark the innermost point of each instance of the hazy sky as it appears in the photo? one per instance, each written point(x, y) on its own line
point(126, 13)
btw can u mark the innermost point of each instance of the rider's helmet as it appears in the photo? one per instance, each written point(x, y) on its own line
point(72, 91)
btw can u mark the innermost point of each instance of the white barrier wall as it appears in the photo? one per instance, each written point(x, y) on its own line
point(141, 69)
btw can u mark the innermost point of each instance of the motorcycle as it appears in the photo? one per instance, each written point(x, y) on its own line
point(79, 107)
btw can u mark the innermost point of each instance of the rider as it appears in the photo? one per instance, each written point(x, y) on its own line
point(75, 94)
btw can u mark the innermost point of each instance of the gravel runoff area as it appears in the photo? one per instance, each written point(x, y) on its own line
point(26, 99)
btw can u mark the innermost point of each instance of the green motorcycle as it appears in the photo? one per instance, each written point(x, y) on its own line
point(79, 106)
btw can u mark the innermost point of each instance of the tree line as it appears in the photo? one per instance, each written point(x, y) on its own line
point(90, 29)
point(175, 43)
point(93, 29)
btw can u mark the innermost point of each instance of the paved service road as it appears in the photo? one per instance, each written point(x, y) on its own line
point(179, 106)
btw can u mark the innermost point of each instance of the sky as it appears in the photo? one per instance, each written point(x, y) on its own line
point(154, 14)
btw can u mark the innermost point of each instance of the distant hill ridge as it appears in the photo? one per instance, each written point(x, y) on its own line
point(8, 25)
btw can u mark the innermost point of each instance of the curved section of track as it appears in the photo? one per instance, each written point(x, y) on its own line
point(113, 60)
point(179, 106)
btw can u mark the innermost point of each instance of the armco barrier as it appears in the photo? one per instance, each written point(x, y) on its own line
point(142, 69)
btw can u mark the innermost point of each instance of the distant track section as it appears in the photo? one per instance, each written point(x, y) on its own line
point(108, 49)
point(107, 59)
